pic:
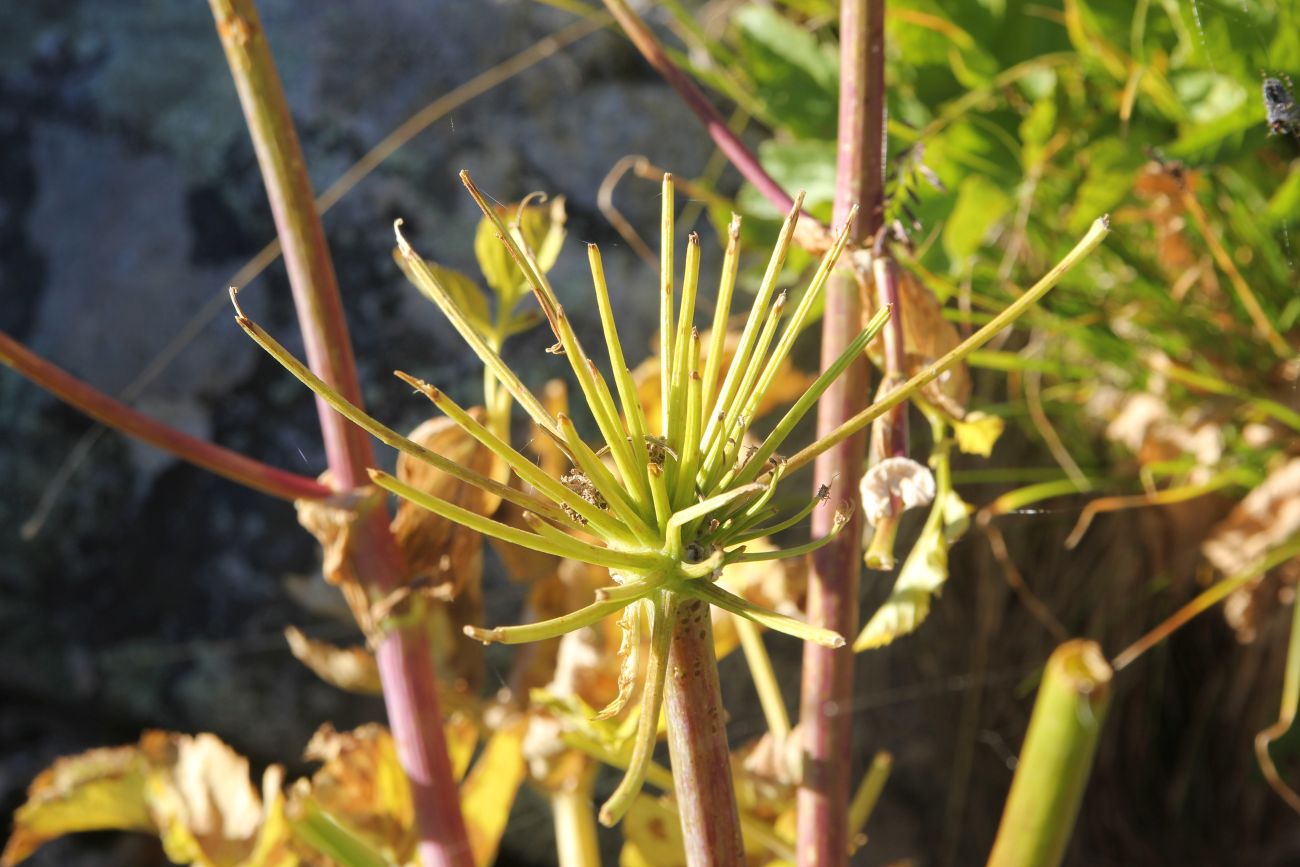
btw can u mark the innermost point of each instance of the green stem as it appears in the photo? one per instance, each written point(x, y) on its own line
point(575, 826)
point(1056, 759)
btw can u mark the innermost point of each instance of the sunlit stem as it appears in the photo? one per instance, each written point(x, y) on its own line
point(598, 398)
point(796, 322)
point(1100, 229)
point(686, 334)
point(718, 335)
point(684, 491)
point(629, 592)
point(599, 521)
point(715, 595)
point(666, 302)
point(659, 494)
point(607, 557)
point(734, 421)
point(759, 362)
point(541, 288)
point(748, 535)
point(627, 393)
point(705, 508)
point(623, 508)
point(423, 276)
point(765, 682)
point(577, 548)
point(740, 360)
point(809, 399)
point(796, 551)
point(544, 629)
point(868, 795)
point(1208, 599)
point(624, 451)
point(387, 435)
point(710, 567)
point(652, 698)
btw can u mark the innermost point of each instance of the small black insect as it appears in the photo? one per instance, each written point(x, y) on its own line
point(1283, 113)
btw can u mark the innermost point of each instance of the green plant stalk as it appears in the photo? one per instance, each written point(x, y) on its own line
point(404, 657)
point(826, 687)
point(1285, 716)
point(332, 838)
point(697, 743)
point(576, 843)
point(1056, 759)
point(117, 415)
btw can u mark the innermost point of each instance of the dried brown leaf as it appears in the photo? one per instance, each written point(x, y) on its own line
point(349, 668)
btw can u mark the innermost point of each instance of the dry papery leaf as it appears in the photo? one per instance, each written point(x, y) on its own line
point(1145, 425)
point(362, 782)
point(349, 668)
point(331, 521)
point(193, 792)
point(446, 555)
point(904, 480)
point(927, 335)
point(1267, 516)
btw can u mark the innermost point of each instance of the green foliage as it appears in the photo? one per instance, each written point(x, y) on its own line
point(1038, 118)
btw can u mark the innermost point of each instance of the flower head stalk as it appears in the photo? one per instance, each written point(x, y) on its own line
point(664, 514)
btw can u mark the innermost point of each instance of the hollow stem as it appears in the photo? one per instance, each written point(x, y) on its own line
point(1056, 759)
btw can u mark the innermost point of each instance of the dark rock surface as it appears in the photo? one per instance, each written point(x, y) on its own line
point(153, 595)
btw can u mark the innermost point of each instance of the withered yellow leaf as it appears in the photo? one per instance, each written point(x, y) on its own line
point(98, 790)
point(489, 792)
point(977, 433)
point(349, 668)
point(922, 576)
point(193, 792)
point(363, 784)
point(652, 835)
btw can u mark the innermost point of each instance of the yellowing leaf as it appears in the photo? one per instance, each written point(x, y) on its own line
point(977, 433)
point(464, 292)
point(349, 668)
point(652, 836)
point(193, 792)
point(922, 575)
point(362, 784)
point(537, 228)
point(98, 790)
point(488, 794)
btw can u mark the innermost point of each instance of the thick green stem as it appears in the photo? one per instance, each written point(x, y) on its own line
point(1056, 760)
point(827, 684)
point(697, 743)
point(405, 661)
point(576, 843)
